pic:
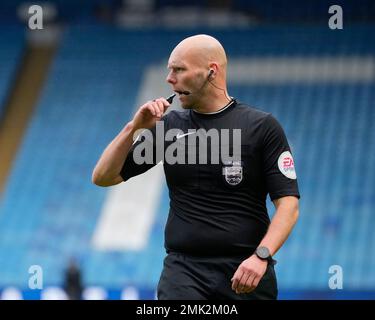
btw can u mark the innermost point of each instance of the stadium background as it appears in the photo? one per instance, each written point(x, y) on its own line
point(66, 90)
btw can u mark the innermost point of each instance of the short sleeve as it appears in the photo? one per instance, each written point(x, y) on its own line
point(278, 162)
point(141, 156)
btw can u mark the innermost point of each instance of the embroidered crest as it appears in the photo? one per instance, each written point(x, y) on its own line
point(233, 173)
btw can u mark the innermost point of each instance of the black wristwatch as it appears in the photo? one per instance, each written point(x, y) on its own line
point(263, 253)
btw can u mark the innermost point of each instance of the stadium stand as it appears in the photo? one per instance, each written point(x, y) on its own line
point(10, 56)
point(49, 209)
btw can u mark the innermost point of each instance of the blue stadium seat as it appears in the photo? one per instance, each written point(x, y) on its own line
point(49, 209)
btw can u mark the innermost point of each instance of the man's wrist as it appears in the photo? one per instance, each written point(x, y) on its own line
point(130, 127)
point(263, 253)
point(130, 130)
point(263, 260)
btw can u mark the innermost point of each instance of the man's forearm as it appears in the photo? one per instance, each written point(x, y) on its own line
point(108, 168)
point(282, 223)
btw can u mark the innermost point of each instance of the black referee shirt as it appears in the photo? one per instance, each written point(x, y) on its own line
point(220, 209)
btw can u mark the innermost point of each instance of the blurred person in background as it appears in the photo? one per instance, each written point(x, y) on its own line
point(73, 281)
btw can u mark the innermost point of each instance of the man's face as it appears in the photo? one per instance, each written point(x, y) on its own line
point(185, 75)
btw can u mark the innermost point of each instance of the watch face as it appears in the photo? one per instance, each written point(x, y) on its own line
point(263, 252)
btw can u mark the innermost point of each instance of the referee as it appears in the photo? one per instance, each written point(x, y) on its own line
point(219, 239)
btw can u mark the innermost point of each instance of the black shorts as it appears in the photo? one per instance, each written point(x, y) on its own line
point(186, 277)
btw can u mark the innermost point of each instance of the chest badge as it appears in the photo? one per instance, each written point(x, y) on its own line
point(233, 173)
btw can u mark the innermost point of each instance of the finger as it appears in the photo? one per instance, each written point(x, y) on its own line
point(155, 107)
point(249, 290)
point(235, 280)
point(165, 102)
point(160, 108)
point(146, 108)
point(234, 276)
point(242, 282)
point(242, 286)
point(249, 286)
point(152, 109)
point(237, 283)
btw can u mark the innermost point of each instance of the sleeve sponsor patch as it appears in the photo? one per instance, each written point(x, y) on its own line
point(286, 165)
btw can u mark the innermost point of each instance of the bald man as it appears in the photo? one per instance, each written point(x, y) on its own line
point(219, 238)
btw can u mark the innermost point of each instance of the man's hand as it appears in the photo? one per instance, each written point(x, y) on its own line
point(248, 274)
point(107, 171)
point(149, 113)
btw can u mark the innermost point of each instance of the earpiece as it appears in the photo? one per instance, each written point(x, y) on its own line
point(210, 73)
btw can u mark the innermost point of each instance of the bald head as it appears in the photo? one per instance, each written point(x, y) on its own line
point(198, 72)
point(200, 50)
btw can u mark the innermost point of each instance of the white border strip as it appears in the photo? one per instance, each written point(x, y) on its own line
point(275, 70)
